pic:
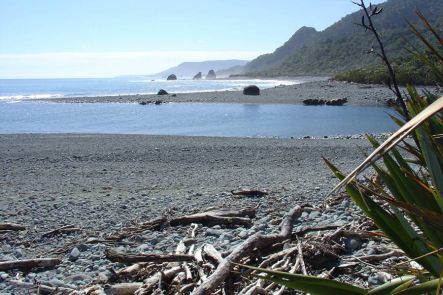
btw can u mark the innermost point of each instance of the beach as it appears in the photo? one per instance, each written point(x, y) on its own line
point(157, 172)
point(102, 183)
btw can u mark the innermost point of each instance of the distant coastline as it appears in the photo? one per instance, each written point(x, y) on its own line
point(23, 89)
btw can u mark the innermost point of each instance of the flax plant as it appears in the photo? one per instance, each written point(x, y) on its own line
point(408, 205)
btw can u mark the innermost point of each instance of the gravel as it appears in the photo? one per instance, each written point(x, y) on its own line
point(102, 183)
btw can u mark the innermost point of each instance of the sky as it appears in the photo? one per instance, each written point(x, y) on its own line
point(106, 38)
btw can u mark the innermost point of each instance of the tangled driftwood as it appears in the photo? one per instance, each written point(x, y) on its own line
point(202, 269)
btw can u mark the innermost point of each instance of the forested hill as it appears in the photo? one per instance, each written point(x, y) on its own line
point(344, 45)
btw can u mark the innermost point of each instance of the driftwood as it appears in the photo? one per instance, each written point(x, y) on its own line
point(151, 283)
point(153, 224)
point(29, 263)
point(354, 234)
point(12, 226)
point(116, 289)
point(63, 229)
point(255, 241)
point(195, 268)
point(220, 217)
point(306, 230)
point(41, 289)
point(377, 257)
point(249, 193)
point(212, 253)
point(122, 288)
point(115, 256)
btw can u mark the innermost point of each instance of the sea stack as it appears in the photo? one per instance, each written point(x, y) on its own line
point(211, 75)
point(172, 77)
point(162, 92)
point(198, 76)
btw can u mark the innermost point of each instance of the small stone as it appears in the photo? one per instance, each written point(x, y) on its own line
point(226, 236)
point(3, 276)
point(143, 248)
point(82, 247)
point(18, 253)
point(379, 278)
point(352, 244)
point(314, 214)
point(56, 282)
point(214, 232)
point(74, 255)
point(103, 277)
point(243, 234)
point(31, 275)
point(76, 278)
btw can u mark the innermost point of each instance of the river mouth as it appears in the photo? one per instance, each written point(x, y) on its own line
point(194, 119)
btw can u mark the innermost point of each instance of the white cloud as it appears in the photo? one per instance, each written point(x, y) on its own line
point(104, 64)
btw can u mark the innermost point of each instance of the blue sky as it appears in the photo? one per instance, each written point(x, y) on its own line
point(90, 38)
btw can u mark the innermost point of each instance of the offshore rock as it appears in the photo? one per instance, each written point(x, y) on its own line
point(251, 90)
point(172, 77)
point(198, 76)
point(211, 75)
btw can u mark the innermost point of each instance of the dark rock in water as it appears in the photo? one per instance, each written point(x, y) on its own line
point(314, 102)
point(332, 102)
point(198, 76)
point(158, 102)
point(251, 90)
point(162, 92)
point(211, 75)
point(172, 77)
point(143, 103)
point(337, 102)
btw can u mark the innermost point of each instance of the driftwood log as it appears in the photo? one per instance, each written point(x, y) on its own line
point(29, 263)
point(60, 230)
point(153, 224)
point(12, 226)
point(41, 289)
point(249, 193)
point(220, 217)
point(255, 241)
point(115, 256)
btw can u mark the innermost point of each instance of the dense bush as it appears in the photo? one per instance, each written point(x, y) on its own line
point(408, 71)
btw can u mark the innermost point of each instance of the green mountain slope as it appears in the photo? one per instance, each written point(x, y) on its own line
point(302, 37)
point(344, 46)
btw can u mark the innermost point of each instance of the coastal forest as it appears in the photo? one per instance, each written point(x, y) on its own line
point(345, 47)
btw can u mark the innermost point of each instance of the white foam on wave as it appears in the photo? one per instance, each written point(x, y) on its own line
point(29, 97)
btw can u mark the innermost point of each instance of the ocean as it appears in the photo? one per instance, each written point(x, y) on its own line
point(194, 119)
point(19, 114)
point(19, 89)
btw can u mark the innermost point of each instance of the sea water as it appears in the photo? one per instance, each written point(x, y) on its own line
point(194, 119)
point(19, 89)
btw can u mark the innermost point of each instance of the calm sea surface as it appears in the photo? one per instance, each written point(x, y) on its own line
point(192, 119)
point(16, 89)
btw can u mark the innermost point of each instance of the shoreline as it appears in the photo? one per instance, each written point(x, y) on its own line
point(357, 94)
